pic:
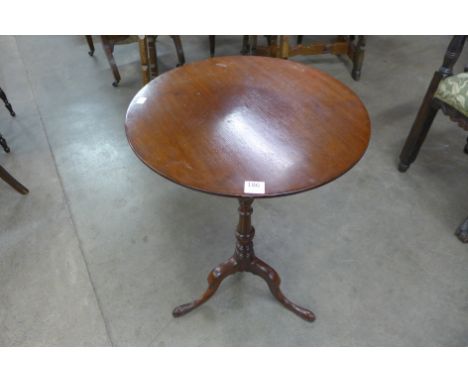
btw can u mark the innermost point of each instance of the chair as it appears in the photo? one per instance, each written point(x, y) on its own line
point(4, 174)
point(109, 42)
point(245, 44)
point(447, 92)
point(351, 46)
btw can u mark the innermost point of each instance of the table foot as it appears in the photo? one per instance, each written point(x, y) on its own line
point(267, 273)
point(216, 276)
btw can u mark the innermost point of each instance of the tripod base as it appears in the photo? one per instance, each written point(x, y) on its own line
point(244, 260)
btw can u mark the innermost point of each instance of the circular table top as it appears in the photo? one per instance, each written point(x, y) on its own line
point(213, 125)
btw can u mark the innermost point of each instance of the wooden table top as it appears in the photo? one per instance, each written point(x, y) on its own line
point(213, 125)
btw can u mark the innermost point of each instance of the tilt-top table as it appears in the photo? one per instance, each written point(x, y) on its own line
point(247, 127)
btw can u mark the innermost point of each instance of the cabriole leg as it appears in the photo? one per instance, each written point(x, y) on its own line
point(109, 50)
point(244, 260)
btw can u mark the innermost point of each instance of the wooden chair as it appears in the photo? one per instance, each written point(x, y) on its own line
point(109, 42)
point(447, 92)
point(4, 174)
point(351, 46)
point(245, 45)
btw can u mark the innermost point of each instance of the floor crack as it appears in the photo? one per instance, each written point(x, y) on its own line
point(66, 199)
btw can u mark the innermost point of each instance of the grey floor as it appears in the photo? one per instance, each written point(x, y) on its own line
point(102, 249)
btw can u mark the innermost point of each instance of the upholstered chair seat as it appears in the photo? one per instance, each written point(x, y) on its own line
point(453, 91)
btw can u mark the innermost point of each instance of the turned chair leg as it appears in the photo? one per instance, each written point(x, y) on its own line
point(7, 104)
point(109, 50)
point(5, 175)
point(249, 45)
point(145, 65)
point(358, 58)
point(421, 126)
point(416, 136)
point(89, 40)
point(153, 56)
point(212, 39)
point(4, 144)
point(179, 50)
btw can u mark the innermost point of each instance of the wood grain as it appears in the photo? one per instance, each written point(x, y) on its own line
point(212, 125)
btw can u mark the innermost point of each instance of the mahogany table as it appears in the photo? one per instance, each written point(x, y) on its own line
point(247, 127)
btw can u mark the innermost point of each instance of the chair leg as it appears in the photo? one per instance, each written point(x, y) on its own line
point(153, 56)
point(145, 66)
point(109, 50)
point(245, 45)
point(253, 45)
point(283, 51)
point(275, 46)
point(179, 50)
point(4, 144)
point(421, 126)
point(5, 175)
point(7, 104)
point(212, 39)
point(416, 137)
point(358, 58)
point(89, 39)
point(428, 110)
point(462, 231)
point(466, 147)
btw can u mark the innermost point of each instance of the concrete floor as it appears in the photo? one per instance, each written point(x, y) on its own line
point(102, 249)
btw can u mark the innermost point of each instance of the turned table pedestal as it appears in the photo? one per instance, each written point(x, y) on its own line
point(247, 127)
